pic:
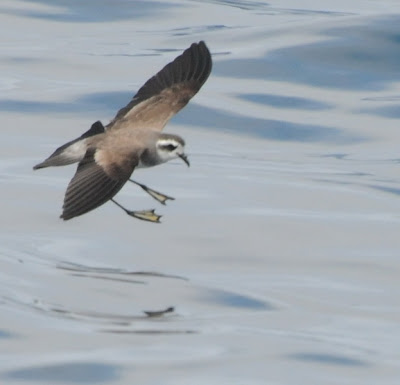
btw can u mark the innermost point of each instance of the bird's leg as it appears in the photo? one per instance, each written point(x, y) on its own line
point(144, 215)
point(155, 194)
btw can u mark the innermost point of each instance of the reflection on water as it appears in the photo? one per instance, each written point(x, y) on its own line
point(279, 256)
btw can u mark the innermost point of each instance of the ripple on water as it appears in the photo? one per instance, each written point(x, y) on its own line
point(91, 11)
point(5, 334)
point(74, 372)
point(327, 358)
point(227, 298)
point(265, 128)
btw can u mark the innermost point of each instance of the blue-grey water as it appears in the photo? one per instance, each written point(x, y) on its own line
point(280, 254)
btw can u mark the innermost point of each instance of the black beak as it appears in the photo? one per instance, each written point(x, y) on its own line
point(185, 159)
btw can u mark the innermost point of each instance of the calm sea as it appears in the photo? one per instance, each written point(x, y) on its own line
point(280, 254)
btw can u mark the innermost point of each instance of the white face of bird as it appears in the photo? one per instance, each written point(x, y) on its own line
point(171, 148)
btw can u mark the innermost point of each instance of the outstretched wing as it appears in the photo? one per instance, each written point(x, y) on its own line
point(94, 183)
point(167, 92)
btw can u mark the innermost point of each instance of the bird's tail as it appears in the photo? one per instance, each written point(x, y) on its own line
point(73, 151)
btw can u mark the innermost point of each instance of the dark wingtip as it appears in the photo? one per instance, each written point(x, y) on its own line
point(201, 52)
point(65, 218)
point(40, 165)
point(193, 65)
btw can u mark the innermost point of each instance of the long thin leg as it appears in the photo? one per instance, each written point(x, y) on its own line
point(144, 215)
point(162, 198)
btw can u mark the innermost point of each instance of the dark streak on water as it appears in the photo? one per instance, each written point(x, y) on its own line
point(335, 156)
point(77, 268)
point(329, 359)
point(230, 299)
point(264, 128)
point(90, 104)
point(105, 278)
point(331, 63)
point(5, 334)
point(391, 112)
point(77, 373)
point(390, 190)
point(280, 101)
point(149, 331)
point(110, 102)
point(94, 11)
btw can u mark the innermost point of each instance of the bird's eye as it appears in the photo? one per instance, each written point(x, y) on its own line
point(168, 147)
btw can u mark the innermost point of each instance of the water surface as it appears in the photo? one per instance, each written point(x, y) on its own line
point(280, 252)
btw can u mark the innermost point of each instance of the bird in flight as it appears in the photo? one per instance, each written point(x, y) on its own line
point(108, 155)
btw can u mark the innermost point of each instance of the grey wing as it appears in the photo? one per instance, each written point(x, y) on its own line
point(167, 92)
point(93, 185)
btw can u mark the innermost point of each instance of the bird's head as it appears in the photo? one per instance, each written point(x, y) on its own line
point(170, 147)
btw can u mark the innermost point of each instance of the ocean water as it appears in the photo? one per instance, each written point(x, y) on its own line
point(280, 254)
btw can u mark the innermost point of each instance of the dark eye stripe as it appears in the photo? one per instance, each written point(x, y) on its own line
point(168, 147)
